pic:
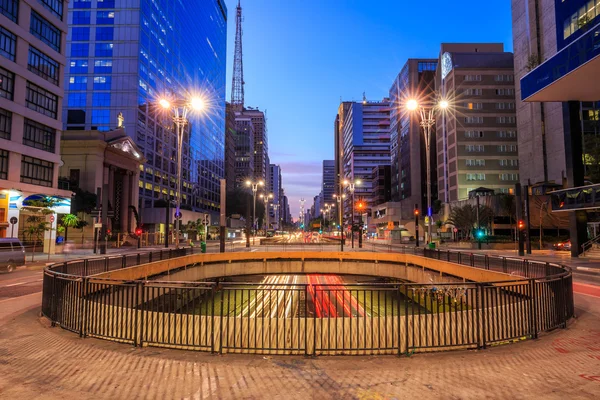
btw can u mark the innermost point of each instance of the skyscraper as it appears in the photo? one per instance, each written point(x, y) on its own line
point(123, 56)
point(416, 80)
point(477, 136)
point(328, 183)
point(32, 48)
point(275, 188)
point(364, 129)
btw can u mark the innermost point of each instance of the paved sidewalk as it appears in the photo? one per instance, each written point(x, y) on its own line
point(37, 361)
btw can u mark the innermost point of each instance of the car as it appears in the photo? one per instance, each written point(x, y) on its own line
point(12, 254)
point(566, 245)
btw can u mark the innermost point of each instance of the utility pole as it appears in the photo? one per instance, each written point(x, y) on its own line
point(478, 225)
point(417, 224)
point(520, 222)
point(527, 222)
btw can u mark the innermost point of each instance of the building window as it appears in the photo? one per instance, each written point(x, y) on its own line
point(475, 163)
point(80, 50)
point(42, 65)
point(82, 4)
point(474, 106)
point(3, 164)
point(105, 18)
point(7, 84)
point(103, 50)
point(477, 148)
point(8, 44)
point(36, 171)
point(472, 92)
point(10, 9)
point(505, 92)
point(41, 100)
point(506, 148)
point(45, 31)
point(78, 83)
point(509, 163)
point(102, 82)
point(39, 136)
point(100, 117)
point(77, 100)
point(79, 67)
point(506, 120)
point(101, 99)
point(505, 106)
point(55, 6)
point(5, 124)
point(106, 4)
point(581, 18)
point(504, 78)
point(105, 33)
point(474, 120)
point(476, 177)
point(473, 134)
point(507, 134)
point(509, 177)
point(82, 17)
point(80, 34)
point(473, 78)
point(103, 66)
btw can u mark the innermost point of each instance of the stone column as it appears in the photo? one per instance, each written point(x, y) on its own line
point(125, 198)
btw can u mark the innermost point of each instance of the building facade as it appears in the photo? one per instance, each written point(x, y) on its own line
point(125, 55)
point(230, 134)
point(408, 171)
point(261, 144)
point(275, 188)
point(381, 179)
point(32, 62)
point(328, 183)
point(244, 149)
point(364, 129)
point(477, 140)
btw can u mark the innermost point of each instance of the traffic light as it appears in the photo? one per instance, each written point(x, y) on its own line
point(360, 205)
point(480, 234)
point(521, 224)
point(138, 231)
point(416, 212)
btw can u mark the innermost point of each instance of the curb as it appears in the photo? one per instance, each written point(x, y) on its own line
point(595, 271)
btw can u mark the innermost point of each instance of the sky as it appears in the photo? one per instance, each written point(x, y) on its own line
point(302, 56)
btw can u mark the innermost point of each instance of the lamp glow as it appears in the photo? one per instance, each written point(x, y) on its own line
point(444, 104)
point(412, 104)
point(164, 103)
point(197, 103)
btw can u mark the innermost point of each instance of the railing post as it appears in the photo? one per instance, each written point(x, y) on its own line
point(138, 328)
point(106, 264)
point(123, 261)
point(53, 302)
point(459, 257)
point(526, 267)
point(487, 262)
point(448, 255)
point(85, 267)
point(484, 313)
point(472, 260)
point(150, 257)
point(533, 310)
point(139, 259)
point(82, 305)
point(504, 267)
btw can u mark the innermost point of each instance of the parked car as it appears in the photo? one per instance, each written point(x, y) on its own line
point(12, 254)
point(566, 245)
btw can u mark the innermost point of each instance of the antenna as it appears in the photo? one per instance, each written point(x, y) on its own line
point(237, 86)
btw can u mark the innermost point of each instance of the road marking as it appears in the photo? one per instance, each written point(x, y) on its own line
point(595, 270)
point(22, 283)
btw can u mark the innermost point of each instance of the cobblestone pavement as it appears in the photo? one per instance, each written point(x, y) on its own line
point(38, 361)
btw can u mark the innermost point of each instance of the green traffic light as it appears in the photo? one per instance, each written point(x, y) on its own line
point(480, 234)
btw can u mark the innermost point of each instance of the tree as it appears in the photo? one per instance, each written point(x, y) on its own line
point(69, 221)
point(36, 229)
point(465, 218)
point(508, 208)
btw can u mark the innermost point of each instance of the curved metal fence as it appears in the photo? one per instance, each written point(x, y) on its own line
point(316, 317)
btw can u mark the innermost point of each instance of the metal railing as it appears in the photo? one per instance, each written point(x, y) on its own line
point(316, 317)
point(587, 246)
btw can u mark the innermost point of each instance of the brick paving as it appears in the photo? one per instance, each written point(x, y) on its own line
point(38, 361)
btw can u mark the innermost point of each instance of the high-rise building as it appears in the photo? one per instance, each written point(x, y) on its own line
point(32, 61)
point(416, 80)
point(261, 146)
point(123, 56)
point(477, 139)
point(381, 191)
point(230, 134)
point(274, 187)
point(328, 183)
point(287, 215)
point(556, 56)
point(364, 129)
point(244, 149)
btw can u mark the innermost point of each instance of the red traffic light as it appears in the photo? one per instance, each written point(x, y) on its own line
point(138, 231)
point(416, 211)
point(360, 205)
point(521, 224)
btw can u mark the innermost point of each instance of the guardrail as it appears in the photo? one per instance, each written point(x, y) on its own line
point(316, 317)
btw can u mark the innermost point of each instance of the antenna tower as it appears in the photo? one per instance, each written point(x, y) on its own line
point(237, 87)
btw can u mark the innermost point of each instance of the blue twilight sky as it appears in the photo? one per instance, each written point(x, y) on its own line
point(302, 56)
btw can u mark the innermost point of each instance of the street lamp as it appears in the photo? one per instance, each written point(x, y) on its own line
point(254, 185)
point(180, 109)
point(276, 215)
point(351, 186)
point(266, 198)
point(426, 112)
point(339, 200)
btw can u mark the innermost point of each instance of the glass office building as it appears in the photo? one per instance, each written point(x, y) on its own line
point(123, 56)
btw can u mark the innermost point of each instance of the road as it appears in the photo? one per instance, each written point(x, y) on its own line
point(20, 290)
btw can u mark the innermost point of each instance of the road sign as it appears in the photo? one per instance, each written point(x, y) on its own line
point(99, 226)
point(426, 220)
point(178, 215)
point(52, 218)
point(455, 230)
point(14, 220)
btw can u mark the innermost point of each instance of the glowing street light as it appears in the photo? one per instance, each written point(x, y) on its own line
point(426, 112)
point(266, 198)
point(254, 185)
point(351, 186)
point(180, 109)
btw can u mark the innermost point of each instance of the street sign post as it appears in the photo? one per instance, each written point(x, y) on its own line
point(13, 222)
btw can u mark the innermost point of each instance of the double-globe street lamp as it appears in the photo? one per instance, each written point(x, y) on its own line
point(327, 212)
point(180, 108)
point(351, 186)
point(266, 198)
point(340, 199)
point(254, 185)
point(426, 112)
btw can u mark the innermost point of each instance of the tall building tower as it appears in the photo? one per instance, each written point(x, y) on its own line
point(32, 61)
point(328, 183)
point(123, 56)
point(478, 135)
point(365, 134)
point(237, 86)
point(407, 141)
point(274, 187)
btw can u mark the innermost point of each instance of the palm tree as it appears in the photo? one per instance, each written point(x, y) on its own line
point(36, 229)
point(69, 221)
point(465, 218)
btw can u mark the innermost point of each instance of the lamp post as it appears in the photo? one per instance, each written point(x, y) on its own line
point(180, 109)
point(254, 186)
point(266, 198)
point(545, 203)
point(276, 215)
point(339, 200)
point(426, 112)
point(351, 186)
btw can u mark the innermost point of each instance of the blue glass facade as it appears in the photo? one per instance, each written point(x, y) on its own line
point(123, 56)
